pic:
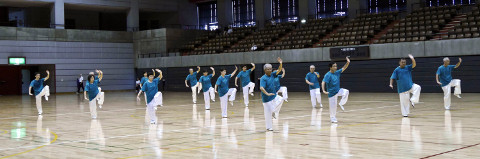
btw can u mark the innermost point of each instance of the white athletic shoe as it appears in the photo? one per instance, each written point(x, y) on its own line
point(251, 94)
point(153, 122)
point(334, 120)
point(269, 129)
point(246, 105)
point(100, 106)
point(155, 108)
point(413, 104)
point(286, 100)
point(341, 106)
point(231, 103)
point(46, 98)
point(213, 100)
point(458, 96)
point(321, 106)
point(274, 116)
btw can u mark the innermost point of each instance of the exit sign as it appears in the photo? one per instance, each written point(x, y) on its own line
point(17, 60)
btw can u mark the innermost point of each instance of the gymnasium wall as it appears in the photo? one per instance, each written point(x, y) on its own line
point(362, 76)
point(74, 52)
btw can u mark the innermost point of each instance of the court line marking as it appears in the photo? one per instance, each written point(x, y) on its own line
point(5, 132)
point(297, 133)
point(39, 147)
point(177, 130)
point(461, 148)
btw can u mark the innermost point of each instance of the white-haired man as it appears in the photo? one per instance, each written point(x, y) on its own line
point(271, 101)
point(444, 73)
point(312, 80)
point(192, 77)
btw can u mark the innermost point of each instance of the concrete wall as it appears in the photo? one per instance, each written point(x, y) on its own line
point(74, 58)
point(377, 51)
point(46, 34)
point(74, 52)
point(155, 41)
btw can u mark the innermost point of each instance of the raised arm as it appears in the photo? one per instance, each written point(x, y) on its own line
point(233, 73)
point(280, 67)
point(323, 88)
point(153, 72)
point(198, 71)
point(414, 63)
point(253, 68)
point(283, 71)
point(346, 65)
point(459, 62)
point(213, 71)
point(100, 75)
point(48, 75)
point(160, 76)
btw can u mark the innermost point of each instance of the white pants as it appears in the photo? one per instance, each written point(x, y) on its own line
point(333, 102)
point(315, 96)
point(93, 103)
point(447, 92)
point(38, 98)
point(157, 100)
point(194, 93)
point(273, 106)
point(207, 96)
point(405, 100)
point(284, 92)
point(247, 90)
point(223, 100)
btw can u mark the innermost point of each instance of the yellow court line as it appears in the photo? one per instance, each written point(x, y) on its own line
point(5, 132)
point(54, 139)
point(296, 133)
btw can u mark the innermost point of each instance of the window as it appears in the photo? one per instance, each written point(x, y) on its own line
point(331, 8)
point(207, 15)
point(430, 3)
point(377, 6)
point(285, 10)
point(243, 12)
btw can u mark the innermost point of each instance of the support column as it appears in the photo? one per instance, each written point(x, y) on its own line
point(356, 7)
point(414, 4)
point(133, 23)
point(224, 13)
point(57, 15)
point(306, 8)
point(263, 12)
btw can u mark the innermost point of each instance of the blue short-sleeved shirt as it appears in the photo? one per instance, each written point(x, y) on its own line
point(312, 77)
point(92, 89)
point(332, 81)
point(206, 82)
point(222, 82)
point(445, 74)
point(37, 85)
point(403, 76)
point(244, 77)
point(192, 78)
point(277, 82)
point(150, 89)
point(268, 83)
point(143, 80)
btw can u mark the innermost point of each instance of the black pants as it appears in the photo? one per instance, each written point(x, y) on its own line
point(80, 85)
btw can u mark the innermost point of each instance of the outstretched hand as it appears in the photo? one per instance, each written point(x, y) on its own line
point(279, 60)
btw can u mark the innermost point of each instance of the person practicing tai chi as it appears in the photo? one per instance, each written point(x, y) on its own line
point(332, 81)
point(312, 80)
point(144, 79)
point(279, 88)
point(154, 97)
point(192, 77)
point(39, 90)
point(247, 85)
point(403, 75)
point(444, 73)
point(224, 91)
point(94, 93)
point(272, 103)
point(208, 92)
